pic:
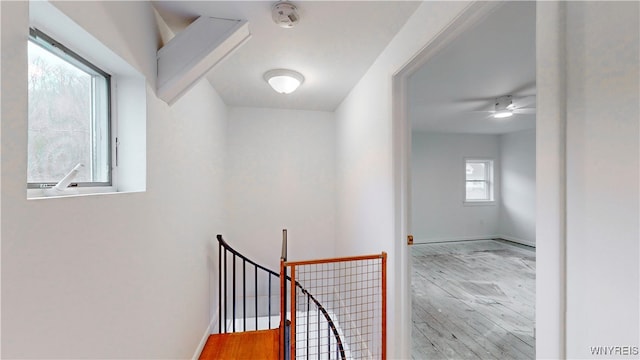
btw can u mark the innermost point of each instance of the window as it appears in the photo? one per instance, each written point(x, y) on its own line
point(69, 116)
point(479, 181)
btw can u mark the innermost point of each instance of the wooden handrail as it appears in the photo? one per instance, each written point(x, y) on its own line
point(333, 260)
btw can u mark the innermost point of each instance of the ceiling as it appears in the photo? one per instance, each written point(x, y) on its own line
point(333, 46)
point(495, 58)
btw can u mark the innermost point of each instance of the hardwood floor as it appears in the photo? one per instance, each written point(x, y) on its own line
point(261, 344)
point(473, 300)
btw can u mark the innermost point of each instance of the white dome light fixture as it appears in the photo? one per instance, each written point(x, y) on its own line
point(284, 81)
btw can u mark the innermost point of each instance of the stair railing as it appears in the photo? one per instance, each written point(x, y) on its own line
point(224, 250)
point(229, 256)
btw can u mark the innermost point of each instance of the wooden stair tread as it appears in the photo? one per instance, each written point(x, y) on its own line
point(261, 344)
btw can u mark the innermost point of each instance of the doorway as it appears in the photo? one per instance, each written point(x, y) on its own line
point(467, 170)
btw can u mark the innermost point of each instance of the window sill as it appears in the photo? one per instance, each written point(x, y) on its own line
point(480, 203)
point(39, 194)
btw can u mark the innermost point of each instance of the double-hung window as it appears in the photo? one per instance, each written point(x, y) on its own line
point(479, 183)
point(69, 116)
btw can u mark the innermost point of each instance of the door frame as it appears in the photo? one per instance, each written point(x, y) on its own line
point(550, 176)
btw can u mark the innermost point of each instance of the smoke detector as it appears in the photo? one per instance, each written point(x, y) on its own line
point(285, 14)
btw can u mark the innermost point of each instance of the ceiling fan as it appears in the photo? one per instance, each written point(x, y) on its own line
point(507, 105)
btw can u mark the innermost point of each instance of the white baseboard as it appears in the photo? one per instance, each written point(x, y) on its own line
point(451, 239)
point(517, 240)
point(478, 237)
point(203, 341)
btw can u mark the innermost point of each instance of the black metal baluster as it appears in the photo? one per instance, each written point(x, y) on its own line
point(244, 295)
point(269, 300)
point(328, 341)
point(219, 288)
point(285, 293)
point(233, 327)
point(255, 287)
point(308, 308)
point(226, 294)
point(332, 333)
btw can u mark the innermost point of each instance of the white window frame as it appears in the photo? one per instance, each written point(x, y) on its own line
point(490, 165)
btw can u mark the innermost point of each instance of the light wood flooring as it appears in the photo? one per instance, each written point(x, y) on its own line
point(261, 344)
point(473, 300)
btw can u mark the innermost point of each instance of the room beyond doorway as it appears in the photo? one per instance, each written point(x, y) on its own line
point(473, 178)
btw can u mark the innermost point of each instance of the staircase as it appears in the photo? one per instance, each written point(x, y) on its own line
point(260, 344)
point(314, 330)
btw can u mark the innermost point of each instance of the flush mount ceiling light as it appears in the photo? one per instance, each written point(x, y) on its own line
point(284, 81)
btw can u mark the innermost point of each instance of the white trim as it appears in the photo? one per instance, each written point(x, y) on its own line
point(516, 240)
point(36, 194)
point(480, 203)
point(474, 238)
point(454, 238)
point(551, 169)
point(205, 337)
point(401, 145)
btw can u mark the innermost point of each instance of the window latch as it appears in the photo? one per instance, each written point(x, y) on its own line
point(117, 146)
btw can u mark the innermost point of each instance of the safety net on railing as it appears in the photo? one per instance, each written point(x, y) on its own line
point(339, 306)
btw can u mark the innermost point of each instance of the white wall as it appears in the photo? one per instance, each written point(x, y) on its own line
point(365, 179)
point(280, 174)
point(111, 276)
point(438, 210)
point(438, 182)
point(550, 180)
point(587, 177)
point(603, 176)
point(601, 253)
point(517, 221)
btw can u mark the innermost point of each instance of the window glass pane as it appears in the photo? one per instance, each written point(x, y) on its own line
point(477, 190)
point(68, 120)
point(476, 171)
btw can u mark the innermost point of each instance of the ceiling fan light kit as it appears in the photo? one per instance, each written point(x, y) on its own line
point(503, 107)
point(502, 114)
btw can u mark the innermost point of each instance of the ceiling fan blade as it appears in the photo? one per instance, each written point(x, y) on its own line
point(524, 111)
point(473, 100)
point(524, 88)
point(524, 101)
